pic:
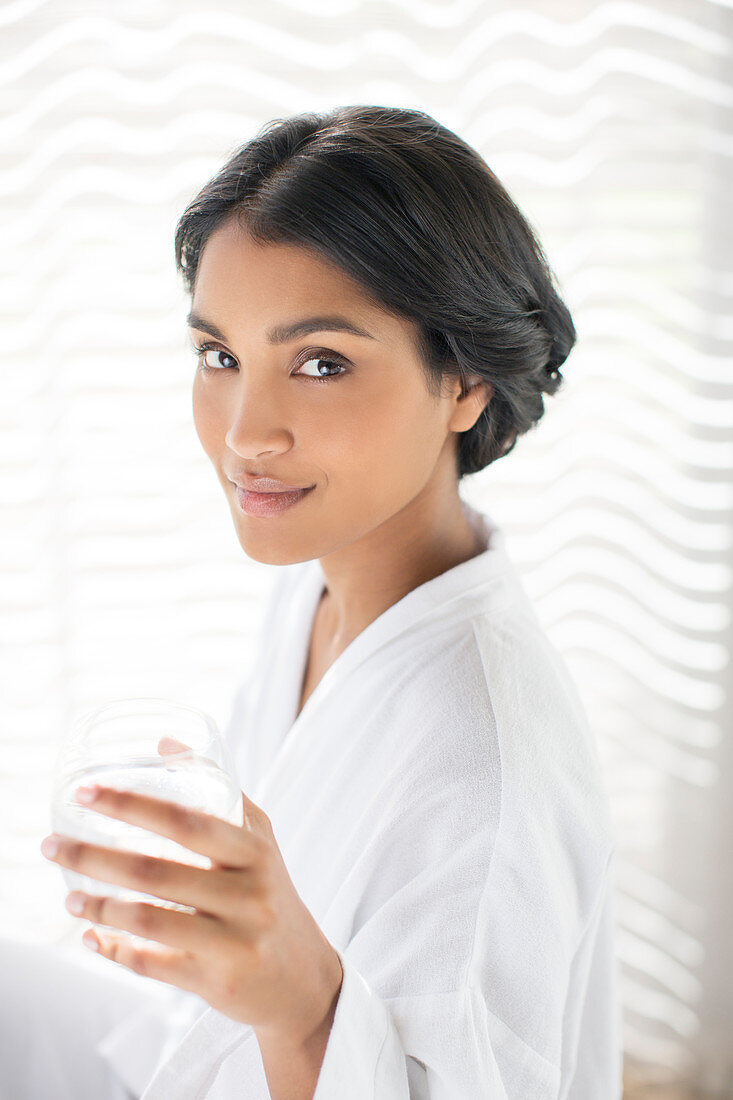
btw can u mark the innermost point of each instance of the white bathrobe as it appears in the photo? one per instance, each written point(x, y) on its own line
point(441, 808)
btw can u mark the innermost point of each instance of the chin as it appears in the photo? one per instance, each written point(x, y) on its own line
point(268, 552)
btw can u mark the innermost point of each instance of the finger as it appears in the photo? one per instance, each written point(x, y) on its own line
point(211, 836)
point(194, 932)
point(213, 890)
point(163, 964)
point(170, 745)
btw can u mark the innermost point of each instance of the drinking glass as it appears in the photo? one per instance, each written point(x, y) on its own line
point(154, 746)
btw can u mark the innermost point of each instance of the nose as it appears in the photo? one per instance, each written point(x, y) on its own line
point(257, 425)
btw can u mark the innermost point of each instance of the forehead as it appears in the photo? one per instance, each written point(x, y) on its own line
point(237, 273)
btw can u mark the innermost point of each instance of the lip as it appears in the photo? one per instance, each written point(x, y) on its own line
point(265, 485)
point(268, 504)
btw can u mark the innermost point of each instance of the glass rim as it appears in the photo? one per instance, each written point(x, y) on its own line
point(120, 704)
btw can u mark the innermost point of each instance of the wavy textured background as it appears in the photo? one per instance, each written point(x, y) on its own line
point(120, 573)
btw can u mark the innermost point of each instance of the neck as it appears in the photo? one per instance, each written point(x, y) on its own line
point(368, 576)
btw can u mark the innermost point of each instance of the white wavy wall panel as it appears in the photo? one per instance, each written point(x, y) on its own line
point(120, 573)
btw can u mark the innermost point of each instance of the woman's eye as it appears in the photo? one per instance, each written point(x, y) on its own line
point(208, 365)
point(336, 367)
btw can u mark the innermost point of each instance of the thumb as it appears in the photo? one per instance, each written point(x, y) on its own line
point(255, 818)
point(170, 745)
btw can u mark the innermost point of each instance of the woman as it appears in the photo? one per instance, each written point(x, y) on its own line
point(373, 320)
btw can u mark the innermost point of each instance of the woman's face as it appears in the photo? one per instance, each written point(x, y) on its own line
point(370, 439)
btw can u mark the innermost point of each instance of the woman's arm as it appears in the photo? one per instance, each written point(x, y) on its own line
point(292, 1064)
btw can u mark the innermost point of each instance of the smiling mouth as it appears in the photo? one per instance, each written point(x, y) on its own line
point(268, 504)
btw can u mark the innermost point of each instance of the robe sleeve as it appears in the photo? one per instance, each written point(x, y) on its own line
point(480, 959)
point(468, 1052)
point(364, 1056)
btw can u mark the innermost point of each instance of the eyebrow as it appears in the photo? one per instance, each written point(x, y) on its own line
point(280, 334)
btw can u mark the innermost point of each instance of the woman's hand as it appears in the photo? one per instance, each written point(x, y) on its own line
point(251, 949)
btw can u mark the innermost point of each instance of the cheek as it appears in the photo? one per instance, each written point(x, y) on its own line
point(353, 435)
point(389, 439)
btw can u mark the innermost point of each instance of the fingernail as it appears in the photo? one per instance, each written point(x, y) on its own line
point(90, 940)
point(49, 846)
point(87, 794)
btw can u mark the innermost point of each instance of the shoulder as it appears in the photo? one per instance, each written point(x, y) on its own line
point(490, 711)
point(549, 752)
point(489, 680)
point(555, 807)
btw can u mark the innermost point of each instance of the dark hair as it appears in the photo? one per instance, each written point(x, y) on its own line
point(416, 217)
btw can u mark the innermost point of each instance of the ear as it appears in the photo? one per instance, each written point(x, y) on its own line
point(469, 402)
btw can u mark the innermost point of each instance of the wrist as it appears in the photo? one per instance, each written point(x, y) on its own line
point(308, 1029)
point(319, 1035)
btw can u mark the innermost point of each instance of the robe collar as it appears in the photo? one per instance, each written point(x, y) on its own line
point(456, 592)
